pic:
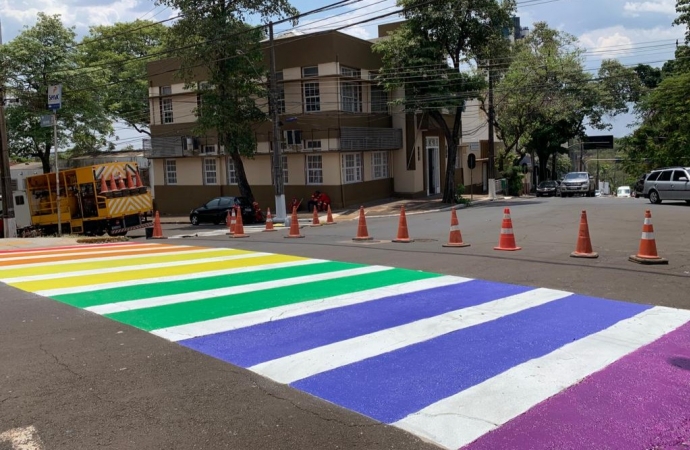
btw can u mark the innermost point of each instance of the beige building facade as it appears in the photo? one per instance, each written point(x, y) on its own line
point(342, 134)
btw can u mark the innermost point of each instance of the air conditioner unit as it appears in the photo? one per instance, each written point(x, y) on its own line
point(295, 147)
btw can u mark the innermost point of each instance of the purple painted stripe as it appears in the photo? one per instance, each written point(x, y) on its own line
point(396, 384)
point(256, 344)
point(642, 401)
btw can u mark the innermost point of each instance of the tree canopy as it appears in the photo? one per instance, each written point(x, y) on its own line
point(43, 55)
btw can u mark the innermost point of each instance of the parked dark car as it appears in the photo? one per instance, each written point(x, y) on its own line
point(216, 211)
point(547, 188)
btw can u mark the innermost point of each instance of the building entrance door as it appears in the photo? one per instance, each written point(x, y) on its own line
point(433, 166)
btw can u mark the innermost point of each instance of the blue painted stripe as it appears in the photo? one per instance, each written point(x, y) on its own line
point(264, 342)
point(396, 384)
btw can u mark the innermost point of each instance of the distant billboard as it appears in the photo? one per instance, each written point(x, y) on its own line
point(598, 142)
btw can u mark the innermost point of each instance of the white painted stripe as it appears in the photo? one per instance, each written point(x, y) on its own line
point(647, 221)
point(184, 250)
point(119, 249)
point(111, 270)
point(648, 236)
point(460, 419)
point(301, 365)
point(190, 276)
point(506, 231)
point(254, 287)
point(213, 326)
point(506, 216)
point(455, 228)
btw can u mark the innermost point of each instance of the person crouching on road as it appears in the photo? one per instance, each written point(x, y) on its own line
point(324, 202)
point(314, 201)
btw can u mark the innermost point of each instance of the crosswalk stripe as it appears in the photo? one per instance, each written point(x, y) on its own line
point(194, 296)
point(311, 362)
point(136, 267)
point(15, 260)
point(151, 256)
point(459, 419)
point(214, 326)
point(61, 248)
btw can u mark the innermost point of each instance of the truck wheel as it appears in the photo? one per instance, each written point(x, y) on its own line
point(654, 197)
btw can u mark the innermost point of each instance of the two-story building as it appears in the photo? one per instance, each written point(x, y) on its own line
point(341, 133)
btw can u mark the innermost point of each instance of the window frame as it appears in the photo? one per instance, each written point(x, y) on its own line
point(355, 168)
point(384, 166)
point(208, 171)
point(167, 116)
point(311, 93)
point(317, 172)
point(375, 104)
point(351, 96)
point(305, 69)
point(164, 90)
point(350, 72)
point(171, 172)
point(232, 172)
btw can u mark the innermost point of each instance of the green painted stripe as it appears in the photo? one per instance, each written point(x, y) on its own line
point(115, 295)
point(184, 313)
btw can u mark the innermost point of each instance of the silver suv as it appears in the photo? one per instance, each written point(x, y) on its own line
point(581, 183)
point(669, 183)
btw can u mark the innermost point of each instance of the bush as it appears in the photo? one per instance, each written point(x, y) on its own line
point(459, 199)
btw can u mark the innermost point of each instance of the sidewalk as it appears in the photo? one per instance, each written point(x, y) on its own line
point(380, 208)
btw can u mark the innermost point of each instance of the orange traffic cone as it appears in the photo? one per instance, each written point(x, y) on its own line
point(455, 238)
point(138, 180)
point(647, 253)
point(403, 235)
point(269, 221)
point(113, 185)
point(506, 240)
point(294, 225)
point(362, 232)
point(239, 226)
point(104, 187)
point(231, 222)
point(584, 244)
point(329, 217)
point(157, 228)
point(315, 222)
point(121, 183)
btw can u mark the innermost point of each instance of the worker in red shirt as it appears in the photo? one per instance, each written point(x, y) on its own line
point(324, 201)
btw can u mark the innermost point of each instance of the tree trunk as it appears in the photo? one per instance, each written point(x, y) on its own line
point(242, 183)
point(554, 157)
point(452, 142)
point(44, 156)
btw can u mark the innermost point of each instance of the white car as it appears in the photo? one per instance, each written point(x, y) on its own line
point(623, 191)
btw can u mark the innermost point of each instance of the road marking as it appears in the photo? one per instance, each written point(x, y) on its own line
point(311, 362)
point(460, 419)
point(22, 438)
point(247, 230)
point(119, 249)
point(201, 295)
point(213, 326)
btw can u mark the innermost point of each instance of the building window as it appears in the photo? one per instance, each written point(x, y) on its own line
point(350, 72)
point(210, 171)
point(379, 165)
point(167, 110)
point(314, 169)
point(379, 99)
point(285, 169)
point(352, 167)
point(170, 171)
point(313, 145)
point(280, 93)
point(308, 72)
point(293, 137)
point(351, 96)
point(209, 150)
point(312, 97)
point(165, 90)
point(232, 174)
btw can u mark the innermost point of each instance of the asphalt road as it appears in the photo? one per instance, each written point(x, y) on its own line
point(84, 381)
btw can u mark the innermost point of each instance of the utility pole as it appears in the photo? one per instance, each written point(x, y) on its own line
point(491, 169)
point(9, 223)
point(54, 103)
point(278, 182)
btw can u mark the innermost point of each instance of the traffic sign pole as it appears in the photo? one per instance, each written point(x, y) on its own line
point(54, 103)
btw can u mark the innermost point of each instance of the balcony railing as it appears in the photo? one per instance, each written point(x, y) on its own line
point(165, 147)
point(367, 138)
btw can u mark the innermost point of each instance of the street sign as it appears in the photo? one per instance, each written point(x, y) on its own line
point(47, 120)
point(471, 161)
point(54, 97)
point(598, 142)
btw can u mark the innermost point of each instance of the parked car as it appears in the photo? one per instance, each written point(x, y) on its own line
point(623, 191)
point(216, 210)
point(669, 183)
point(581, 183)
point(547, 188)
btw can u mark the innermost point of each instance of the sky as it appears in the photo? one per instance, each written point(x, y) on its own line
point(632, 31)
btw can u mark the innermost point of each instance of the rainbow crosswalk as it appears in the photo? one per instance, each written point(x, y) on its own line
point(457, 361)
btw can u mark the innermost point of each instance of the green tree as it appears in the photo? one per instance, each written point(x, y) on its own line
point(45, 55)
point(215, 44)
point(120, 52)
point(683, 10)
point(427, 56)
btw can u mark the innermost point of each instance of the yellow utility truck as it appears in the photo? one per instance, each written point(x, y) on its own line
point(94, 200)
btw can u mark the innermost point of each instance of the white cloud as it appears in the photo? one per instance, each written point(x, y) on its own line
point(363, 10)
point(643, 45)
point(651, 6)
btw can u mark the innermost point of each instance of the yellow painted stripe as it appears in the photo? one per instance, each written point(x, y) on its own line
point(105, 263)
point(192, 267)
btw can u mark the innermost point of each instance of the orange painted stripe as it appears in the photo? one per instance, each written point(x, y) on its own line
point(75, 256)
